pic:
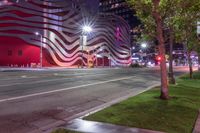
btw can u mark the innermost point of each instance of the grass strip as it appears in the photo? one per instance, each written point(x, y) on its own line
point(176, 115)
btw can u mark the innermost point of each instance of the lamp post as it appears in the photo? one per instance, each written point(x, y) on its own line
point(95, 54)
point(131, 55)
point(144, 47)
point(109, 58)
point(41, 56)
point(198, 36)
point(198, 28)
point(102, 56)
point(85, 31)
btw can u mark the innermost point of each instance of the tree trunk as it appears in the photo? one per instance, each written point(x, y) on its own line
point(190, 64)
point(199, 62)
point(171, 71)
point(161, 47)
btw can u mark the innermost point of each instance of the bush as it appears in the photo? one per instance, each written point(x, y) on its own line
point(196, 75)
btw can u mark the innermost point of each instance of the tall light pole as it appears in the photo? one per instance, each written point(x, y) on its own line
point(144, 47)
point(41, 56)
point(109, 59)
point(85, 31)
point(102, 56)
point(96, 58)
point(198, 36)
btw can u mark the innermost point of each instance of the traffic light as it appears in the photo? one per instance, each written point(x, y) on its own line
point(158, 58)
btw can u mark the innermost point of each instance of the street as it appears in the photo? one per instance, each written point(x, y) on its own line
point(30, 100)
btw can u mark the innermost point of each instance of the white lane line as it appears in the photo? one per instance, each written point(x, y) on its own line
point(64, 89)
point(50, 80)
point(71, 74)
point(21, 77)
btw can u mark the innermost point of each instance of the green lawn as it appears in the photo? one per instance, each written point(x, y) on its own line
point(177, 115)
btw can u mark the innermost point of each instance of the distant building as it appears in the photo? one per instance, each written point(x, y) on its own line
point(121, 8)
point(87, 7)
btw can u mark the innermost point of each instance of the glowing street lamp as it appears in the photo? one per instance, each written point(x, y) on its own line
point(38, 34)
point(86, 29)
point(83, 40)
point(144, 45)
point(144, 48)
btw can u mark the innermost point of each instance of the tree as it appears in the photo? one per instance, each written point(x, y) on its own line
point(188, 15)
point(150, 13)
point(169, 15)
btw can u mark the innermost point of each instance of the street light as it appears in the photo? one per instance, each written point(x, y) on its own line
point(87, 29)
point(144, 45)
point(83, 39)
point(198, 36)
point(41, 56)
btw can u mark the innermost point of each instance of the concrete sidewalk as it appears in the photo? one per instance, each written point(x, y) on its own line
point(2, 69)
point(98, 127)
point(197, 125)
point(10, 69)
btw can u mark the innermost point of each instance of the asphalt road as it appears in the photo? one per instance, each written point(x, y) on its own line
point(30, 100)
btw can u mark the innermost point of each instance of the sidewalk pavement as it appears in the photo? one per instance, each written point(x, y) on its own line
point(9, 69)
point(98, 127)
point(33, 69)
point(197, 125)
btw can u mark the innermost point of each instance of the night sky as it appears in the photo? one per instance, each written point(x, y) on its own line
point(93, 4)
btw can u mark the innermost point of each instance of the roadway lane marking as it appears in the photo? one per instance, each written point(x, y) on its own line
point(23, 76)
point(20, 77)
point(69, 88)
point(71, 74)
point(50, 80)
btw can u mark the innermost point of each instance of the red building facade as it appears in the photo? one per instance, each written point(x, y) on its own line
point(59, 27)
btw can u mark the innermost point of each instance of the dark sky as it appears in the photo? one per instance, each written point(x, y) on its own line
point(93, 4)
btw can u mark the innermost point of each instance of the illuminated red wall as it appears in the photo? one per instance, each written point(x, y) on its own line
point(59, 35)
point(30, 54)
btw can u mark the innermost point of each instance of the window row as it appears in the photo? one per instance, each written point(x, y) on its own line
point(10, 52)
